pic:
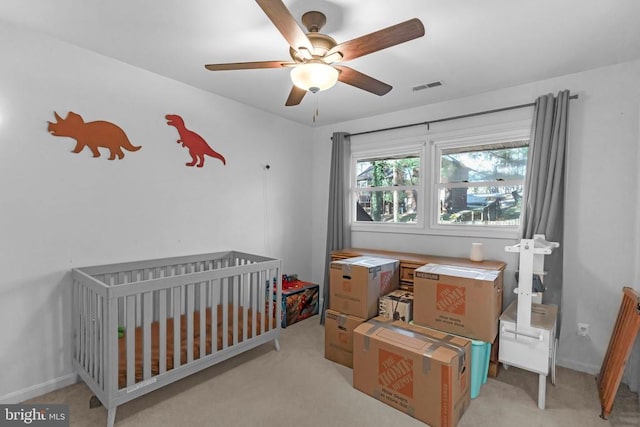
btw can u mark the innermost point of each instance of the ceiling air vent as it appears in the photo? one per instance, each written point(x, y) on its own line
point(427, 86)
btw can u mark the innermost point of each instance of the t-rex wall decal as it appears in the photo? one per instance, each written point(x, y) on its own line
point(196, 145)
point(92, 134)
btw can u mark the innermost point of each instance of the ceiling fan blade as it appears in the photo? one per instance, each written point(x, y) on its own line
point(381, 39)
point(249, 65)
point(295, 96)
point(362, 81)
point(286, 24)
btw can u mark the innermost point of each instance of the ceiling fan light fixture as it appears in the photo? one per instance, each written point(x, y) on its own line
point(314, 76)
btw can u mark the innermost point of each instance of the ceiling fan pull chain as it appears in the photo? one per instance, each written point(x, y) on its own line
point(315, 113)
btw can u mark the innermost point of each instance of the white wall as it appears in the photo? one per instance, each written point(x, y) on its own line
point(601, 246)
point(60, 210)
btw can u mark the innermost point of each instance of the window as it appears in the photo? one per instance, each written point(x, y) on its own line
point(478, 179)
point(387, 188)
point(482, 184)
point(469, 182)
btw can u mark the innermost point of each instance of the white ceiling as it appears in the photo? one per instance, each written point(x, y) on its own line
point(471, 46)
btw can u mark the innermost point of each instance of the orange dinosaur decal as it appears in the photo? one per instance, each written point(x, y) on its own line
point(92, 134)
point(196, 145)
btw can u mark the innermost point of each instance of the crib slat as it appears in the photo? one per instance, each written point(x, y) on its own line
point(270, 303)
point(225, 312)
point(189, 317)
point(162, 336)
point(215, 294)
point(253, 291)
point(94, 334)
point(263, 295)
point(111, 349)
point(83, 329)
point(234, 284)
point(203, 320)
point(76, 318)
point(104, 343)
point(146, 332)
point(176, 327)
point(130, 328)
point(245, 307)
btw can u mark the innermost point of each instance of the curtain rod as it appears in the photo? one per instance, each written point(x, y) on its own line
point(446, 119)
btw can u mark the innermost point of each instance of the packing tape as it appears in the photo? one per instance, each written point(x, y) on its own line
point(435, 343)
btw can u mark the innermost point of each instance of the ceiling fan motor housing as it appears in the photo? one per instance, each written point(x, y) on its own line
point(321, 45)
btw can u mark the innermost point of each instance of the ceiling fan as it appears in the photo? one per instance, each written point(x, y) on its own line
point(314, 54)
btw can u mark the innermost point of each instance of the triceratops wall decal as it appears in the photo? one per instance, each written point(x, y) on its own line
point(196, 145)
point(92, 134)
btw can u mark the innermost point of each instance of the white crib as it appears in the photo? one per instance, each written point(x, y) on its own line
point(172, 304)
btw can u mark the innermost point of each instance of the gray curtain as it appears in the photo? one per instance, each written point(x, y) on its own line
point(544, 186)
point(338, 229)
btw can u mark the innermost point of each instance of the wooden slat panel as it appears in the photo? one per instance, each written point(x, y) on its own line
point(623, 337)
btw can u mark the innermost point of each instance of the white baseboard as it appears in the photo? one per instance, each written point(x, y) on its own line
point(39, 389)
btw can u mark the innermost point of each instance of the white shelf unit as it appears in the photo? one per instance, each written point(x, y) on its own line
point(527, 329)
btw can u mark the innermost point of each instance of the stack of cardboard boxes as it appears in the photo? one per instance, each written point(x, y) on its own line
point(355, 286)
point(423, 368)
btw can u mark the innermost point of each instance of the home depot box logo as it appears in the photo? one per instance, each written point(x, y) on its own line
point(451, 298)
point(395, 373)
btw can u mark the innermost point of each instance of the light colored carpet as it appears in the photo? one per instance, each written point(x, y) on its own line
point(298, 387)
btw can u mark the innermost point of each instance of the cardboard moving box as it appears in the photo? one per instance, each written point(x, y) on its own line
point(338, 336)
point(397, 305)
point(355, 284)
point(419, 371)
point(461, 300)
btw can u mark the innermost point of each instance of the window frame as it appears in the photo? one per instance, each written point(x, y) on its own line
point(481, 136)
point(417, 148)
point(426, 145)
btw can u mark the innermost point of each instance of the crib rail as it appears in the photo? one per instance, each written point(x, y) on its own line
point(167, 311)
point(622, 339)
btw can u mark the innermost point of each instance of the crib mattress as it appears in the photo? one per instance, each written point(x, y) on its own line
point(155, 337)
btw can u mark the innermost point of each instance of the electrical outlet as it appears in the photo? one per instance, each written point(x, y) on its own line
point(583, 329)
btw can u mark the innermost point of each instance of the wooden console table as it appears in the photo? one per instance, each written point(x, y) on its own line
point(410, 261)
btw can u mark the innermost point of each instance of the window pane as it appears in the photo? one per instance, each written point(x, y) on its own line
point(400, 206)
point(388, 172)
point(487, 163)
point(492, 205)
